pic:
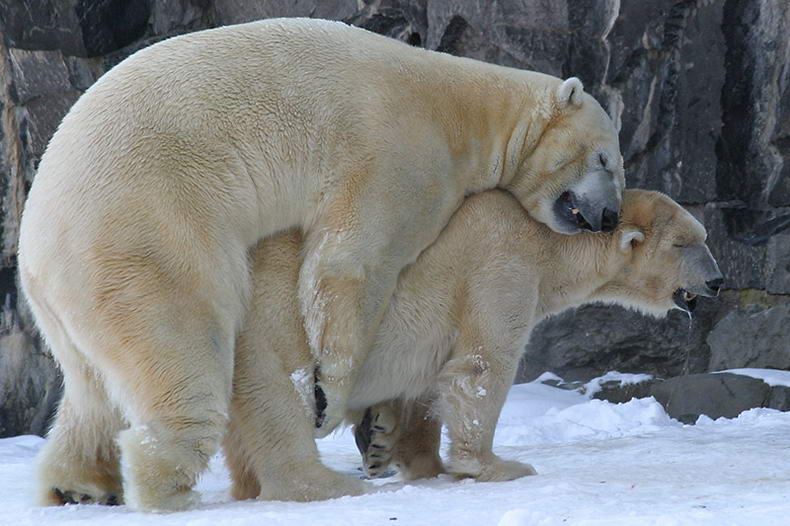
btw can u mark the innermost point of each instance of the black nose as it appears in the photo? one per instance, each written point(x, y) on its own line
point(609, 220)
point(715, 284)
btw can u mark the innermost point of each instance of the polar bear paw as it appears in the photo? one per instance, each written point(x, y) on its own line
point(59, 496)
point(65, 479)
point(330, 404)
point(315, 485)
point(489, 468)
point(376, 436)
point(500, 470)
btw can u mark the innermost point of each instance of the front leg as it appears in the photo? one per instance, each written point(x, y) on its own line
point(472, 390)
point(341, 319)
point(345, 285)
point(379, 217)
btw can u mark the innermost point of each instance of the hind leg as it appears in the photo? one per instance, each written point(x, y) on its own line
point(171, 377)
point(416, 453)
point(404, 434)
point(162, 331)
point(270, 447)
point(178, 410)
point(166, 354)
point(244, 482)
point(80, 462)
point(177, 426)
point(151, 288)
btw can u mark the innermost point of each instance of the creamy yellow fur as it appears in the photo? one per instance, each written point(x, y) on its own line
point(450, 341)
point(133, 249)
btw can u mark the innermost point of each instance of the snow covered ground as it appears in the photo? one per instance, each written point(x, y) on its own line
point(599, 464)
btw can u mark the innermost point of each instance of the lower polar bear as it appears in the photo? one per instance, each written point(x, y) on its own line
point(450, 342)
point(133, 249)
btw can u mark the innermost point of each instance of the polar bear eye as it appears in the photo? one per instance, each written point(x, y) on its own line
point(602, 159)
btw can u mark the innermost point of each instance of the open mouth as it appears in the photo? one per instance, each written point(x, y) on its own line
point(685, 300)
point(566, 207)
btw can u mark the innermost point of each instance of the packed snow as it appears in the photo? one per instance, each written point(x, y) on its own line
point(599, 464)
point(772, 377)
point(595, 385)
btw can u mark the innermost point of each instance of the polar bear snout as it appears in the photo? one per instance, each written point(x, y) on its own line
point(715, 285)
point(702, 271)
point(609, 220)
point(576, 213)
point(598, 199)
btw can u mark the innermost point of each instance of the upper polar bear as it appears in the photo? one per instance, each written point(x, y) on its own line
point(133, 249)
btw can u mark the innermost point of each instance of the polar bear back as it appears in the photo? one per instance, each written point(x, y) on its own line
point(240, 105)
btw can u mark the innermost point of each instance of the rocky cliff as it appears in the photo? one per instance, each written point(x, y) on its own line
point(699, 89)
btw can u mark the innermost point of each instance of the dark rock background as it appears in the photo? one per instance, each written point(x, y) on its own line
point(699, 89)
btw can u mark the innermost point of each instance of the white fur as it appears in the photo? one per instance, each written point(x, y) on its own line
point(450, 342)
point(133, 249)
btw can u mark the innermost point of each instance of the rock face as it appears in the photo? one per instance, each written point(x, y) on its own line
point(699, 89)
point(715, 395)
point(752, 338)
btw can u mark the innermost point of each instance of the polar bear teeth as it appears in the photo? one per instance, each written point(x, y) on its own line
point(685, 299)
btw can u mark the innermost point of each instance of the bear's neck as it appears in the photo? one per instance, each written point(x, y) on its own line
point(484, 125)
point(582, 264)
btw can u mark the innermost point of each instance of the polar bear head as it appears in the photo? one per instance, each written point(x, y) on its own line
point(660, 255)
point(571, 173)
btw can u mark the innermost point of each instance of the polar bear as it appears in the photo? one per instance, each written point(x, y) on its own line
point(134, 242)
point(449, 344)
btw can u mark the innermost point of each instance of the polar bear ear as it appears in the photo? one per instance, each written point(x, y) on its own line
point(629, 237)
point(570, 92)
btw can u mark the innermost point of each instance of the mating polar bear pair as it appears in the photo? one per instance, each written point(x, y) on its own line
point(450, 342)
point(134, 243)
